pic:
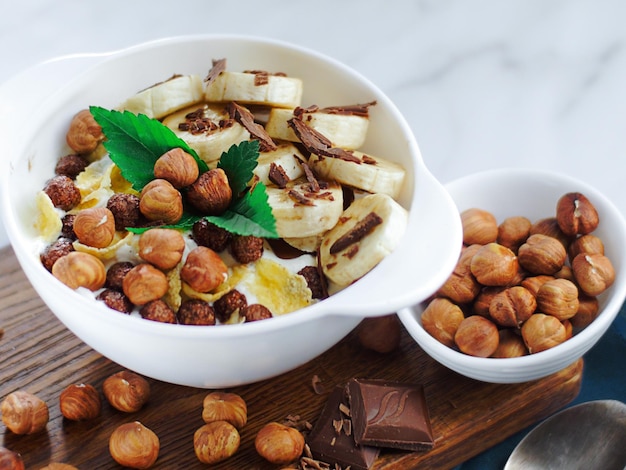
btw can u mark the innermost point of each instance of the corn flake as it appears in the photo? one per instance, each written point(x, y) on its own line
point(108, 252)
point(48, 222)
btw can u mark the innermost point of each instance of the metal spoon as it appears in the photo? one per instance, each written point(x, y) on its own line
point(588, 436)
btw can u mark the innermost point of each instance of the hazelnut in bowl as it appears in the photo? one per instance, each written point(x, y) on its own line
point(175, 270)
point(540, 278)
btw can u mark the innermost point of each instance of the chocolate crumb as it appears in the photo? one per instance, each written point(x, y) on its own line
point(358, 232)
point(278, 175)
point(218, 67)
point(244, 117)
point(310, 177)
point(317, 385)
point(299, 198)
point(354, 109)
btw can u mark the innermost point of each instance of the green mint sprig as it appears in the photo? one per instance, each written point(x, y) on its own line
point(135, 142)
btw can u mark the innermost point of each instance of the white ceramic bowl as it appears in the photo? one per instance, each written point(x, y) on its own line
point(222, 356)
point(534, 194)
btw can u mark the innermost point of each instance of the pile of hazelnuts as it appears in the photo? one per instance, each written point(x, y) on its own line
point(522, 286)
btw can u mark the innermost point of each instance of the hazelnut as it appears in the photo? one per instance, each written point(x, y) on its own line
point(78, 269)
point(533, 283)
point(484, 298)
point(441, 319)
point(178, 167)
point(494, 265)
point(461, 286)
point(550, 227)
point(279, 444)
point(126, 391)
point(542, 254)
point(215, 442)
point(222, 406)
point(203, 270)
point(133, 445)
point(477, 336)
point(10, 460)
point(160, 201)
point(512, 307)
point(162, 247)
point(565, 272)
point(558, 298)
point(588, 308)
point(84, 133)
point(58, 466)
point(24, 413)
point(589, 244)
point(144, 283)
point(541, 332)
point(594, 273)
point(513, 231)
point(479, 227)
point(380, 334)
point(576, 215)
point(79, 402)
point(95, 227)
point(210, 193)
point(510, 344)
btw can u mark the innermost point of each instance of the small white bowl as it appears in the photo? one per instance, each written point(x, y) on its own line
point(534, 194)
point(230, 355)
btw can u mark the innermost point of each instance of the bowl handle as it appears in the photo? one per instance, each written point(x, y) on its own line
point(420, 264)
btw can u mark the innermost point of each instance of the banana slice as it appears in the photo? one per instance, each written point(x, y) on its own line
point(166, 97)
point(306, 244)
point(203, 128)
point(343, 130)
point(299, 212)
point(361, 171)
point(367, 231)
point(286, 156)
point(255, 88)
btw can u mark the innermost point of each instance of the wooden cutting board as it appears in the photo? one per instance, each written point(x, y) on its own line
point(38, 354)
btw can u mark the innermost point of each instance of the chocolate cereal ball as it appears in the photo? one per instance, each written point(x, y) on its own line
point(158, 310)
point(246, 249)
point(125, 209)
point(196, 312)
point(228, 304)
point(256, 312)
point(116, 300)
point(116, 273)
point(54, 251)
point(205, 233)
point(70, 165)
point(62, 192)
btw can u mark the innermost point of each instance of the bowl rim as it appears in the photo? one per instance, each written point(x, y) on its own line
point(470, 365)
point(316, 310)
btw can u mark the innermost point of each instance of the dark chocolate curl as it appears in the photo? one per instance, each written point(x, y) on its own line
point(354, 109)
point(218, 67)
point(358, 232)
point(317, 143)
point(244, 117)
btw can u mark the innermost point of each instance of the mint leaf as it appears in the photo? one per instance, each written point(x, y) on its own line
point(249, 215)
point(135, 142)
point(239, 163)
point(185, 223)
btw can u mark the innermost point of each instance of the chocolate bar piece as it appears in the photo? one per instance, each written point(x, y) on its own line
point(331, 440)
point(389, 414)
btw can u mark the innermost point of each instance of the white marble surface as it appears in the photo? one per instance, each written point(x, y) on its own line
point(483, 83)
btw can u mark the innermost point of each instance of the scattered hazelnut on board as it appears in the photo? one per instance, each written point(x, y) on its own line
point(178, 167)
point(78, 269)
point(479, 226)
point(161, 201)
point(134, 445)
point(162, 247)
point(279, 444)
point(58, 466)
point(477, 336)
point(210, 193)
point(216, 441)
point(204, 269)
point(95, 227)
point(79, 402)
point(576, 215)
point(380, 334)
point(494, 265)
point(144, 283)
point(126, 391)
point(224, 406)
point(84, 133)
point(24, 413)
point(10, 460)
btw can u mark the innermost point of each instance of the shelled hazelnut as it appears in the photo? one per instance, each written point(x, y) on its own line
point(126, 391)
point(134, 445)
point(176, 166)
point(279, 444)
point(95, 226)
point(204, 269)
point(215, 442)
point(160, 201)
point(78, 269)
point(210, 193)
point(24, 413)
point(79, 402)
point(224, 406)
point(10, 460)
point(144, 283)
point(161, 247)
point(84, 133)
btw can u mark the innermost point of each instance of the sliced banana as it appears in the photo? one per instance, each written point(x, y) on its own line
point(363, 171)
point(286, 156)
point(166, 97)
point(367, 231)
point(204, 131)
point(255, 88)
point(301, 213)
point(343, 130)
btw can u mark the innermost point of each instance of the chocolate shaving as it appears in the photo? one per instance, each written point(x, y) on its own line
point(317, 143)
point(368, 160)
point(317, 385)
point(196, 123)
point(218, 67)
point(244, 117)
point(278, 175)
point(358, 232)
point(310, 177)
point(354, 109)
point(300, 198)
